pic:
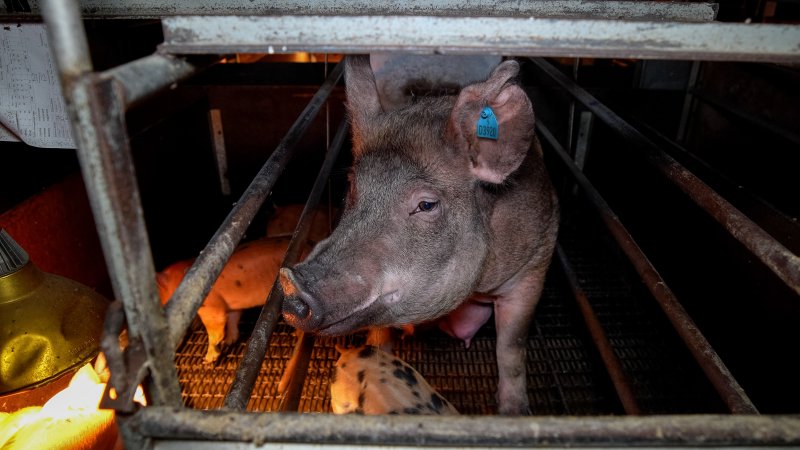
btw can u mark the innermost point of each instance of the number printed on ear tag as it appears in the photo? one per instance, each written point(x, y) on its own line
point(487, 124)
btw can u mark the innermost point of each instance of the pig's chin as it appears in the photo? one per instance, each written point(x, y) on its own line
point(364, 316)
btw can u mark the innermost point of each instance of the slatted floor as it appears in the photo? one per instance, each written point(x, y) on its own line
point(565, 374)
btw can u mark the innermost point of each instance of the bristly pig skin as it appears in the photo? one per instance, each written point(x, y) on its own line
point(435, 218)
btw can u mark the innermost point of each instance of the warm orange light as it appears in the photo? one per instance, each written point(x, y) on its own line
point(70, 420)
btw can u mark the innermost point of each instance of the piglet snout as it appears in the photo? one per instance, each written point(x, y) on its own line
point(300, 308)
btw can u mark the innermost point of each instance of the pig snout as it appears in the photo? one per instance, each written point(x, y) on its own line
point(300, 308)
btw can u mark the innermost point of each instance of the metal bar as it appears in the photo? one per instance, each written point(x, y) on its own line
point(688, 102)
point(727, 185)
point(296, 372)
point(187, 298)
point(729, 107)
point(220, 155)
point(98, 124)
point(716, 371)
point(522, 36)
point(68, 41)
point(780, 260)
point(97, 116)
point(610, 360)
point(584, 137)
point(631, 10)
point(247, 372)
point(350, 429)
point(146, 76)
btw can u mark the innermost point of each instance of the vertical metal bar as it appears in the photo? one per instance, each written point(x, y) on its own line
point(184, 303)
point(99, 125)
point(584, 137)
point(610, 360)
point(296, 371)
point(728, 388)
point(247, 371)
point(68, 41)
point(96, 109)
point(688, 102)
point(571, 121)
point(220, 155)
point(780, 260)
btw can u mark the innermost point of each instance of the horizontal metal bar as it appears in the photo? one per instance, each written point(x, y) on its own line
point(629, 10)
point(145, 76)
point(187, 298)
point(780, 260)
point(619, 378)
point(718, 374)
point(658, 431)
point(522, 36)
point(247, 372)
point(732, 109)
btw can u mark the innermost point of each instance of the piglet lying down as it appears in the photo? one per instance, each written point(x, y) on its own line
point(450, 209)
point(367, 380)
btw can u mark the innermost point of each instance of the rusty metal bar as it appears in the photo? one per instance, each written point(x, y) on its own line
point(146, 76)
point(613, 365)
point(350, 429)
point(518, 35)
point(97, 115)
point(718, 374)
point(184, 303)
point(296, 371)
point(730, 108)
point(723, 183)
point(780, 260)
point(247, 372)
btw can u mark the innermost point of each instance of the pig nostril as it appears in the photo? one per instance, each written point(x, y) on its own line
point(300, 308)
point(295, 306)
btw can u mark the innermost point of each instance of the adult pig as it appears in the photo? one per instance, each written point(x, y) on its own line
point(437, 220)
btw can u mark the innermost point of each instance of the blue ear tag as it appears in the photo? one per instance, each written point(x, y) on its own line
point(487, 124)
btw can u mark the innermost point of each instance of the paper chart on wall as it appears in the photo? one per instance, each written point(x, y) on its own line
point(32, 109)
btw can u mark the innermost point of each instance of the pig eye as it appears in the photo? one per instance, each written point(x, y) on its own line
point(424, 206)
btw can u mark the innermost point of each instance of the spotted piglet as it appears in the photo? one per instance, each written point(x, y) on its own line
point(367, 380)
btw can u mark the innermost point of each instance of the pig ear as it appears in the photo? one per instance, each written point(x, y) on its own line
point(493, 160)
point(363, 103)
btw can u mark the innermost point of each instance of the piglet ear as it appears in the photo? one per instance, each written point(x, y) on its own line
point(492, 160)
point(363, 103)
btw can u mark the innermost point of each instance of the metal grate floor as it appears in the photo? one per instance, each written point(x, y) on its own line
point(565, 374)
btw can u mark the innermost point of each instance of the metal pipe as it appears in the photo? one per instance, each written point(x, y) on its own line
point(67, 38)
point(296, 371)
point(146, 76)
point(247, 372)
point(612, 9)
point(732, 109)
point(610, 360)
point(519, 35)
point(724, 184)
point(780, 260)
point(187, 298)
point(718, 374)
point(433, 431)
point(98, 125)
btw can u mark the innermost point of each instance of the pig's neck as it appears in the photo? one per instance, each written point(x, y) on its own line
point(518, 216)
